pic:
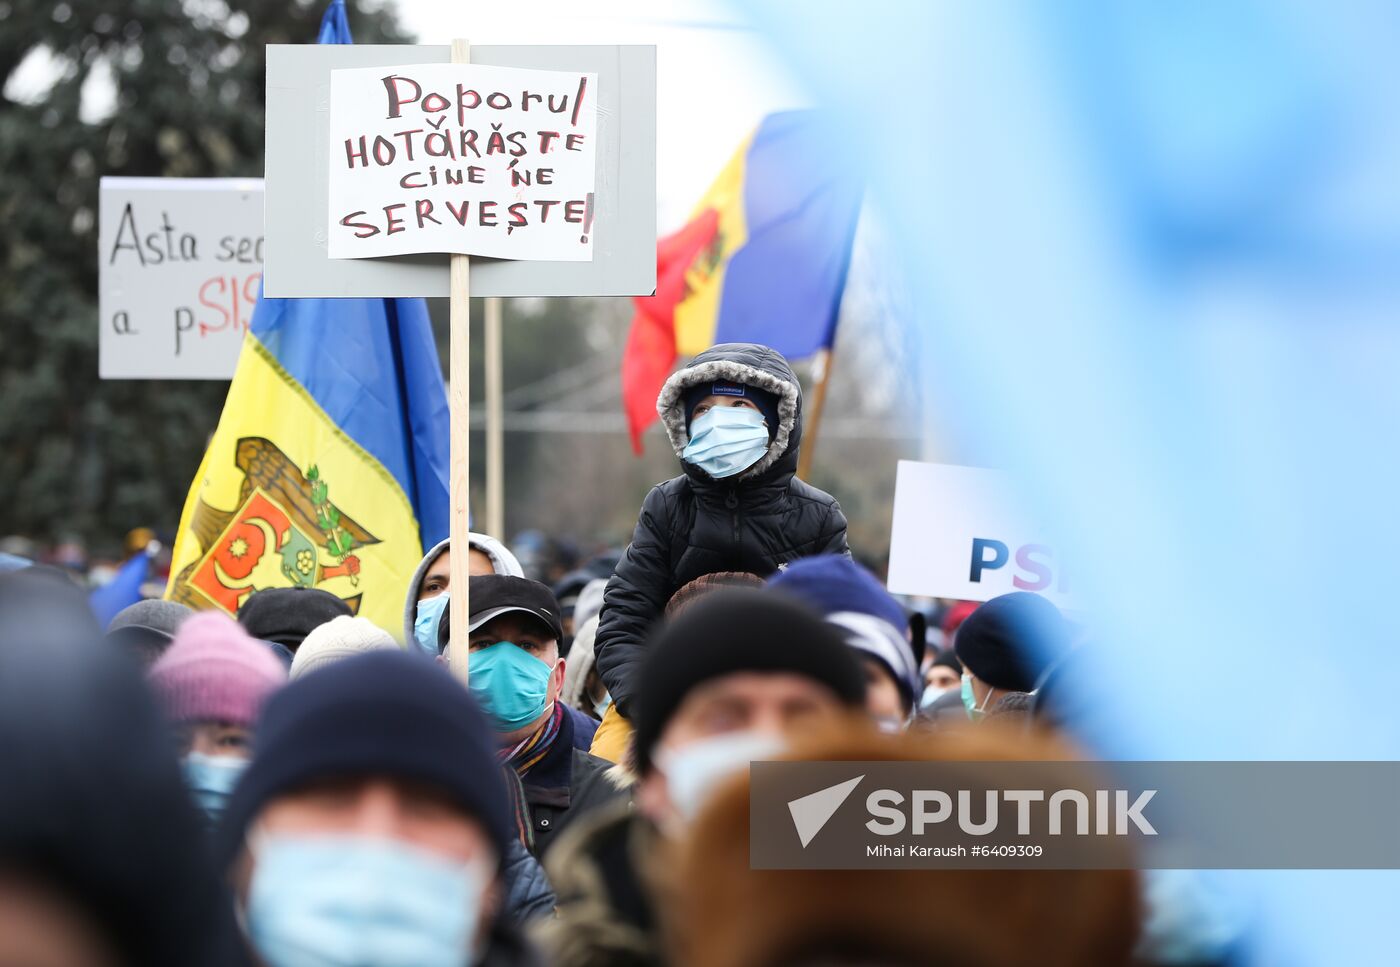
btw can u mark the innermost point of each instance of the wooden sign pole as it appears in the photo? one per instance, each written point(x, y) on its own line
point(821, 374)
point(459, 404)
point(495, 449)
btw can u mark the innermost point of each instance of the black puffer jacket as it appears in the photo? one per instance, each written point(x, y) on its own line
point(693, 524)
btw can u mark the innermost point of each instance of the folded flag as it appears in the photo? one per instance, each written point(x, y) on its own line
point(123, 590)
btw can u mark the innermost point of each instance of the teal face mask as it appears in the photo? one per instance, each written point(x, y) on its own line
point(328, 901)
point(211, 778)
point(427, 622)
point(511, 684)
point(969, 699)
point(725, 440)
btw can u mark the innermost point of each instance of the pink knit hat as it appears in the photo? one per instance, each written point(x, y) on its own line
point(214, 672)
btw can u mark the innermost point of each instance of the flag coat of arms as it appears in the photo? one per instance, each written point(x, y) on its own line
point(329, 465)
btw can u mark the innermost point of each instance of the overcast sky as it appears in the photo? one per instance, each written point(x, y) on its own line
point(715, 77)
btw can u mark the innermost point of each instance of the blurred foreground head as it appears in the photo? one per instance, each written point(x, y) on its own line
point(889, 917)
point(102, 860)
point(370, 826)
point(42, 605)
point(728, 681)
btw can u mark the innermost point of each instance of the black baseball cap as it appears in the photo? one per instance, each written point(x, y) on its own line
point(493, 595)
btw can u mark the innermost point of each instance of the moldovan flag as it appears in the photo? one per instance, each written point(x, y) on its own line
point(329, 465)
point(763, 259)
point(330, 462)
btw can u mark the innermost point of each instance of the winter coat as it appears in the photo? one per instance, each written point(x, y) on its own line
point(757, 521)
point(528, 894)
point(607, 907)
point(564, 785)
point(507, 946)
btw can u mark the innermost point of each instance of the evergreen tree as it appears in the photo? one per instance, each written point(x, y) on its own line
point(79, 455)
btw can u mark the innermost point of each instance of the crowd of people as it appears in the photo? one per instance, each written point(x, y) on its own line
point(295, 786)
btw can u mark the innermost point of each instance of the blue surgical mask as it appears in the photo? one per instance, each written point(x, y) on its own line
point(427, 622)
point(356, 901)
point(511, 684)
point(211, 779)
point(932, 694)
point(601, 706)
point(694, 771)
point(725, 440)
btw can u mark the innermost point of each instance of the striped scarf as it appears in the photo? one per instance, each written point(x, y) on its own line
point(525, 756)
point(520, 810)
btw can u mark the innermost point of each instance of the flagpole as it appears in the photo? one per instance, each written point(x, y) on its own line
point(459, 405)
point(495, 449)
point(821, 376)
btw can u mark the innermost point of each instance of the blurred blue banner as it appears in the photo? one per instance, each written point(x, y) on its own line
point(1154, 251)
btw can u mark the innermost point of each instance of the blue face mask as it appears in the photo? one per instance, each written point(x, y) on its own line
point(511, 684)
point(427, 621)
point(211, 779)
point(328, 901)
point(601, 706)
point(725, 440)
point(931, 694)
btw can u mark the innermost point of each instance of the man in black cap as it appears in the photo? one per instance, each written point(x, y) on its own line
point(371, 825)
point(287, 615)
point(517, 674)
point(1005, 646)
point(723, 684)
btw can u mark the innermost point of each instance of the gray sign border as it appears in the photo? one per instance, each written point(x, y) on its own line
point(296, 199)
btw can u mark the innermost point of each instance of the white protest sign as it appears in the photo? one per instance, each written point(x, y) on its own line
point(956, 534)
point(463, 158)
point(179, 264)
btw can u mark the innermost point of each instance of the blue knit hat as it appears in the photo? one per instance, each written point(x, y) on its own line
point(766, 402)
point(386, 713)
point(848, 595)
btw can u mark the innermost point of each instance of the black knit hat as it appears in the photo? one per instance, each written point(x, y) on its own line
point(1009, 641)
point(948, 659)
point(385, 713)
point(288, 615)
point(737, 631)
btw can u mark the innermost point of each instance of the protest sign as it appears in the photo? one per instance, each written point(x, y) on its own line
point(300, 151)
point(463, 158)
point(957, 534)
point(179, 265)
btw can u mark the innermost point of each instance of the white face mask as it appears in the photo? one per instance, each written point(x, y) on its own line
point(932, 694)
point(694, 771)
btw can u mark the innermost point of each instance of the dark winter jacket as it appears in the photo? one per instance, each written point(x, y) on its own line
point(756, 521)
point(564, 785)
point(607, 902)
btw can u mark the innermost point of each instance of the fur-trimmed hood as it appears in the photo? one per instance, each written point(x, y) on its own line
point(752, 365)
